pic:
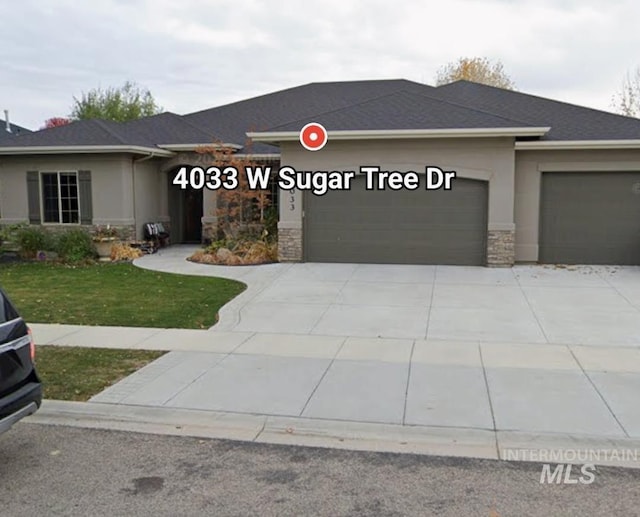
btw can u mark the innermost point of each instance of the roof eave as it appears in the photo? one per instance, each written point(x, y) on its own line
point(84, 149)
point(258, 156)
point(193, 147)
point(578, 144)
point(391, 134)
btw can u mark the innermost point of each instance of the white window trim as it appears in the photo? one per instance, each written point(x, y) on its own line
point(42, 221)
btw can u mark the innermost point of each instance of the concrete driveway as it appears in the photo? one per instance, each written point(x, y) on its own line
point(592, 305)
point(453, 350)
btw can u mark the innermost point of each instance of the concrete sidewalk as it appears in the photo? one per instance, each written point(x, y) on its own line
point(576, 393)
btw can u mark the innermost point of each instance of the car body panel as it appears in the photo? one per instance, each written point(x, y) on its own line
point(20, 387)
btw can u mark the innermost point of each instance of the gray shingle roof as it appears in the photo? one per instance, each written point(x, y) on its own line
point(567, 121)
point(15, 131)
point(404, 110)
point(82, 132)
point(230, 122)
point(358, 105)
point(165, 128)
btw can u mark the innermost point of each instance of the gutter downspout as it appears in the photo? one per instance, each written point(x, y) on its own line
point(133, 185)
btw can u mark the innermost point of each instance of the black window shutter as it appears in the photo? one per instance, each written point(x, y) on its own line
point(86, 205)
point(33, 197)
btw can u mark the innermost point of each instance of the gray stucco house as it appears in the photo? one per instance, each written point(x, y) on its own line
point(537, 180)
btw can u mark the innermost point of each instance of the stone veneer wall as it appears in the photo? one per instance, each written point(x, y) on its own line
point(501, 248)
point(126, 231)
point(209, 232)
point(290, 244)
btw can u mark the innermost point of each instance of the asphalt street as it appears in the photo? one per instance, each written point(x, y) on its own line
point(55, 470)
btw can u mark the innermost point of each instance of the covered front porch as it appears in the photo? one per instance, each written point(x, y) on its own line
point(193, 213)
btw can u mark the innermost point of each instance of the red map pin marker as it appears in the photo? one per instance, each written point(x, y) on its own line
point(313, 136)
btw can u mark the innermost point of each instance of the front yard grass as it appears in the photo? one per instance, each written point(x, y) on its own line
point(76, 373)
point(114, 294)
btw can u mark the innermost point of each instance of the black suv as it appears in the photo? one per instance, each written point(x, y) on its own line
point(20, 388)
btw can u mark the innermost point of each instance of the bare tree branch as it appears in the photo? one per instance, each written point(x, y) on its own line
point(476, 69)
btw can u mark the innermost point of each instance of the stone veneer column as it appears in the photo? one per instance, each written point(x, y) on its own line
point(289, 242)
point(501, 248)
point(290, 226)
point(209, 215)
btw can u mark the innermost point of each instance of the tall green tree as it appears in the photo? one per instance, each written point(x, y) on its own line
point(127, 102)
point(627, 100)
point(476, 69)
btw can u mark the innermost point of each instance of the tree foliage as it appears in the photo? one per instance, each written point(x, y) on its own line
point(476, 69)
point(627, 100)
point(128, 102)
point(56, 122)
point(240, 210)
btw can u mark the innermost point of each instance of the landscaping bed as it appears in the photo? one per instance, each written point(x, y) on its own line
point(239, 252)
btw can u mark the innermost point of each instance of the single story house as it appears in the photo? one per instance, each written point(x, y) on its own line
point(537, 180)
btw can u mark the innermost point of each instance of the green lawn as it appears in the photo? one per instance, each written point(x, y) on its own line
point(114, 294)
point(74, 373)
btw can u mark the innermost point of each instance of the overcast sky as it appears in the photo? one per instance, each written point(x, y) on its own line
point(196, 54)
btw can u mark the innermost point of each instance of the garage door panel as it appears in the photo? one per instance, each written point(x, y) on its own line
point(590, 218)
point(398, 227)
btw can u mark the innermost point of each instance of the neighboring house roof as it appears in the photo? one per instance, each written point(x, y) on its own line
point(380, 105)
point(15, 131)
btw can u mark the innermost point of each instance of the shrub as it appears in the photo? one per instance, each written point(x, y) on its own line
point(32, 239)
point(9, 233)
point(271, 224)
point(216, 245)
point(233, 252)
point(261, 253)
point(75, 245)
point(121, 251)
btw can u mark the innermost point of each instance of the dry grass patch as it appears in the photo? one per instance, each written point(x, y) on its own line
point(237, 253)
point(77, 373)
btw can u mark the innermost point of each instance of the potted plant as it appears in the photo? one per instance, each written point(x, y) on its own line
point(104, 237)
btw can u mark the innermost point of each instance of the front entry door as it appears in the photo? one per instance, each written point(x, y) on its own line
point(192, 216)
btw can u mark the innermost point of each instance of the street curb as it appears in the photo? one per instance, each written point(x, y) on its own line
point(435, 441)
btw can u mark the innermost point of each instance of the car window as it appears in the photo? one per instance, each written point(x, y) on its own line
point(7, 312)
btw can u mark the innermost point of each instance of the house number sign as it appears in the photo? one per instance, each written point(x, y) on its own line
point(292, 199)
